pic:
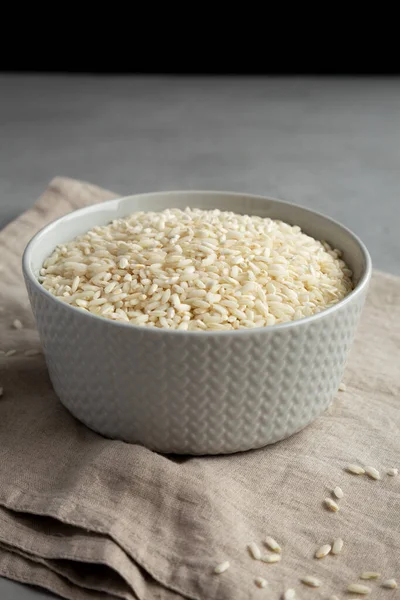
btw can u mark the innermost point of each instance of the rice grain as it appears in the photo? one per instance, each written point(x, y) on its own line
point(392, 472)
point(390, 584)
point(323, 551)
point(222, 567)
point(372, 473)
point(338, 492)
point(258, 271)
point(271, 558)
point(355, 470)
point(331, 505)
point(254, 551)
point(273, 544)
point(261, 582)
point(358, 588)
point(311, 581)
point(337, 546)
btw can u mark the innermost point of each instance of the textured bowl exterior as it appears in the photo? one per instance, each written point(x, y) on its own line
point(196, 392)
point(204, 394)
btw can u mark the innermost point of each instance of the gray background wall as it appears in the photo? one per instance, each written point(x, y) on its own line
point(330, 144)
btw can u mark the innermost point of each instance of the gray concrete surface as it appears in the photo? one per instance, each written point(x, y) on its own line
point(330, 144)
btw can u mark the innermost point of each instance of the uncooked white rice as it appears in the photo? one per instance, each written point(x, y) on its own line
point(261, 582)
point(271, 558)
point(355, 470)
point(331, 504)
point(197, 270)
point(338, 492)
point(323, 551)
point(311, 581)
point(273, 544)
point(372, 473)
point(254, 551)
point(222, 567)
point(358, 588)
point(337, 546)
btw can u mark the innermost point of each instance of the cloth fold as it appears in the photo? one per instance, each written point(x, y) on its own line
point(86, 517)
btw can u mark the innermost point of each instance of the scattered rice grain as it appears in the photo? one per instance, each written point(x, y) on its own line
point(222, 567)
point(355, 470)
point(273, 544)
point(370, 575)
point(342, 387)
point(254, 551)
point(331, 505)
point(323, 551)
point(311, 581)
point(392, 472)
point(261, 582)
point(17, 324)
point(372, 473)
point(11, 352)
point(338, 492)
point(358, 588)
point(337, 546)
point(289, 594)
point(390, 584)
point(271, 558)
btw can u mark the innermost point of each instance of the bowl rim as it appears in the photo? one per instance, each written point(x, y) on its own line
point(359, 288)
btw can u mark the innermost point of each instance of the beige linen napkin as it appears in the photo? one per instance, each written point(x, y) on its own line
point(88, 518)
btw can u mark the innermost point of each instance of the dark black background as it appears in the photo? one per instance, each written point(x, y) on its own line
point(204, 68)
point(256, 43)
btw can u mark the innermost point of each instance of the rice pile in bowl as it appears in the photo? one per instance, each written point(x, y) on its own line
point(198, 270)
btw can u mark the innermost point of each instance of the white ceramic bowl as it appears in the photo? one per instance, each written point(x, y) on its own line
point(195, 392)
